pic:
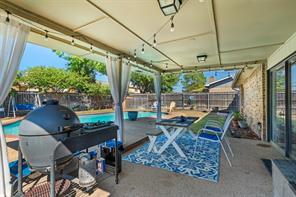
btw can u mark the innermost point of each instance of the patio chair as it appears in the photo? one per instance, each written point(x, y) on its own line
point(172, 106)
point(154, 105)
point(216, 126)
point(2, 112)
point(217, 136)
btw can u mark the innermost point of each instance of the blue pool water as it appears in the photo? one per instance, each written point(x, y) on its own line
point(12, 129)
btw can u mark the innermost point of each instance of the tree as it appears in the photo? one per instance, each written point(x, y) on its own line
point(142, 82)
point(168, 82)
point(145, 83)
point(83, 66)
point(194, 82)
point(53, 79)
point(89, 68)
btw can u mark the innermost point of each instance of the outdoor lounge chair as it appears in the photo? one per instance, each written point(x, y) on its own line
point(171, 107)
point(154, 105)
point(217, 134)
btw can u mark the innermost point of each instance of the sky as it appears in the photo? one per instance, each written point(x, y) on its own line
point(36, 55)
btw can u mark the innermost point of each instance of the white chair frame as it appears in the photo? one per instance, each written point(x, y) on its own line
point(220, 138)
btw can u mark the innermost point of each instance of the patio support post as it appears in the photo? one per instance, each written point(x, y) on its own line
point(157, 87)
point(118, 71)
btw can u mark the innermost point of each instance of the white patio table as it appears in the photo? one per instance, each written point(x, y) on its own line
point(172, 128)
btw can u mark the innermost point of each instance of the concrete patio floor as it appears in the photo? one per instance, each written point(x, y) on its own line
point(248, 177)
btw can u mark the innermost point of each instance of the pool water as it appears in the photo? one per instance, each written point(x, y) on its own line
point(12, 129)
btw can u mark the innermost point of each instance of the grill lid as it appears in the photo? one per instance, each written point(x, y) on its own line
point(49, 119)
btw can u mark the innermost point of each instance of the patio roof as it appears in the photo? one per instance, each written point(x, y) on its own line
point(230, 33)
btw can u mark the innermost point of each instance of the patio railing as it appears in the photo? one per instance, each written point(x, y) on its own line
point(198, 101)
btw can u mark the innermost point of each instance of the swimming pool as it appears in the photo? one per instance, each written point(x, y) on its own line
point(12, 129)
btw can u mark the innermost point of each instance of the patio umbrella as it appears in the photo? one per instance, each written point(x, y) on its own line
point(13, 37)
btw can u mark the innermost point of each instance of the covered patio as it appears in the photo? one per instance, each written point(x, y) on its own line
point(201, 35)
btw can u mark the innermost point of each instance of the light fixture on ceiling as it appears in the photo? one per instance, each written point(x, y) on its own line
point(201, 58)
point(135, 53)
point(7, 17)
point(172, 24)
point(73, 41)
point(142, 51)
point(154, 40)
point(46, 35)
point(91, 48)
point(169, 7)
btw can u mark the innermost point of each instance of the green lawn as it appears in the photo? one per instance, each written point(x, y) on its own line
point(195, 127)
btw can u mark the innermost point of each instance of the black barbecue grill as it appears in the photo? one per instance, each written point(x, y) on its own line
point(51, 134)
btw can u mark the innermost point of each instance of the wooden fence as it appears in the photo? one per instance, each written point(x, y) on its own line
point(198, 101)
point(78, 102)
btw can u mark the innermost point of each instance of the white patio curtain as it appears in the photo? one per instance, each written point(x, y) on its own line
point(157, 87)
point(13, 37)
point(118, 72)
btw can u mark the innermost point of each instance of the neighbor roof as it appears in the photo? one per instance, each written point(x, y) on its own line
point(219, 82)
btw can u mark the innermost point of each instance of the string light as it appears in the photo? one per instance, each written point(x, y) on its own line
point(172, 24)
point(166, 65)
point(150, 64)
point(46, 35)
point(73, 41)
point(154, 40)
point(142, 49)
point(135, 53)
point(91, 48)
point(7, 17)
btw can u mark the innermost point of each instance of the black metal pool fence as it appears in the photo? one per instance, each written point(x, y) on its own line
point(78, 102)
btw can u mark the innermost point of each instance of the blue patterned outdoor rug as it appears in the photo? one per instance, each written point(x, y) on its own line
point(203, 157)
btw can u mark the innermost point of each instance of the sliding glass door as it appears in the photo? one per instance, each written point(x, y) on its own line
point(282, 112)
point(293, 109)
point(278, 107)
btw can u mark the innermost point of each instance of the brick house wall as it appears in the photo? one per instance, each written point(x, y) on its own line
point(253, 100)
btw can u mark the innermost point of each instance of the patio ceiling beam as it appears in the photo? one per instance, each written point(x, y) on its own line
point(132, 32)
point(28, 15)
point(185, 38)
point(253, 47)
point(88, 23)
point(212, 67)
point(214, 24)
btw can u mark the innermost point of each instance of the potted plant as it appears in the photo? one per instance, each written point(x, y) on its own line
point(242, 122)
point(236, 116)
point(132, 115)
